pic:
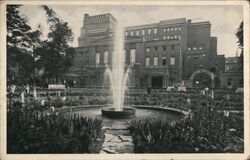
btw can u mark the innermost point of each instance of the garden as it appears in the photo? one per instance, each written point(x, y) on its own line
point(205, 131)
point(214, 123)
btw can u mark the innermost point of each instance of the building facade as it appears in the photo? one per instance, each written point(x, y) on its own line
point(233, 75)
point(168, 53)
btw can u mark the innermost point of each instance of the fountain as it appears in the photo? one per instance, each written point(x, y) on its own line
point(118, 77)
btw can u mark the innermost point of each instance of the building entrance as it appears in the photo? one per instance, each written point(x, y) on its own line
point(157, 81)
point(202, 78)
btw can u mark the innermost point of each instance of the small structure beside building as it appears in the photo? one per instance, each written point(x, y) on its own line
point(232, 77)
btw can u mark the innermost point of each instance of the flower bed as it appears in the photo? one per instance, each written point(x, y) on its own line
point(161, 97)
point(205, 131)
point(29, 131)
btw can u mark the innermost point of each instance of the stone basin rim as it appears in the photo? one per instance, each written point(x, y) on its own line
point(110, 112)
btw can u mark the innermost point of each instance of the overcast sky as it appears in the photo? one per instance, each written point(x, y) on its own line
point(224, 19)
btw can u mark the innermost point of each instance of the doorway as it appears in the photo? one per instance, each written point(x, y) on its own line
point(157, 81)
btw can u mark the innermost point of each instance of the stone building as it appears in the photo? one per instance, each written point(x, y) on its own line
point(233, 75)
point(167, 53)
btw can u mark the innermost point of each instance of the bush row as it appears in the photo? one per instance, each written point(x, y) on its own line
point(30, 131)
point(205, 131)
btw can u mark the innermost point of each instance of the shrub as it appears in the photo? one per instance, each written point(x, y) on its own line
point(34, 133)
point(206, 131)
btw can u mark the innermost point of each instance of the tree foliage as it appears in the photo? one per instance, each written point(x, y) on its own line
point(21, 40)
point(239, 35)
point(55, 54)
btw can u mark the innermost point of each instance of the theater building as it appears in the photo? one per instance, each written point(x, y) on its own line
point(167, 53)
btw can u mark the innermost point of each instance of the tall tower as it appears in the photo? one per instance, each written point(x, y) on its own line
point(95, 28)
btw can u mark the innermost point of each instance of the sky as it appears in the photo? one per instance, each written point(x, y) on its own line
point(225, 19)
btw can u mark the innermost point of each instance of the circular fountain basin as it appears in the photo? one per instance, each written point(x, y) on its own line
point(112, 113)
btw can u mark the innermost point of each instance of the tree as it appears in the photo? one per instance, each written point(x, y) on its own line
point(55, 54)
point(239, 35)
point(21, 40)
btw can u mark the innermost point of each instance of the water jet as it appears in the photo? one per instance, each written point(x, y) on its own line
point(118, 77)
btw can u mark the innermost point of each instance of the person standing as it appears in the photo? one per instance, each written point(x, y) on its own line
point(149, 89)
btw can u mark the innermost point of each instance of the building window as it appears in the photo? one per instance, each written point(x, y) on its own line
point(143, 32)
point(155, 30)
point(147, 50)
point(164, 61)
point(132, 33)
point(168, 29)
point(164, 48)
point(97, 59)
point(147, 62)
point(106, 56)
point(132, 56)
point(200, 48)
point(126, 33)
point(164, 37)
point(149, 31)
point(172, 47)
point(155, 61)
point(179, 37)
point(156, 48)
point(175, 36)
point(137, 32)
point(194, 48)
point(179, 28)
point(189, 49)
point(175, 28)
point(229, 82)
point(110, 35)
point(172, 29)
point(203, 55)
point(227, 68)
point(195, 57)
point(172, 60)
point(164, 30)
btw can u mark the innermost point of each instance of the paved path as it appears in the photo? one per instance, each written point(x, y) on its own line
point(117, 139)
